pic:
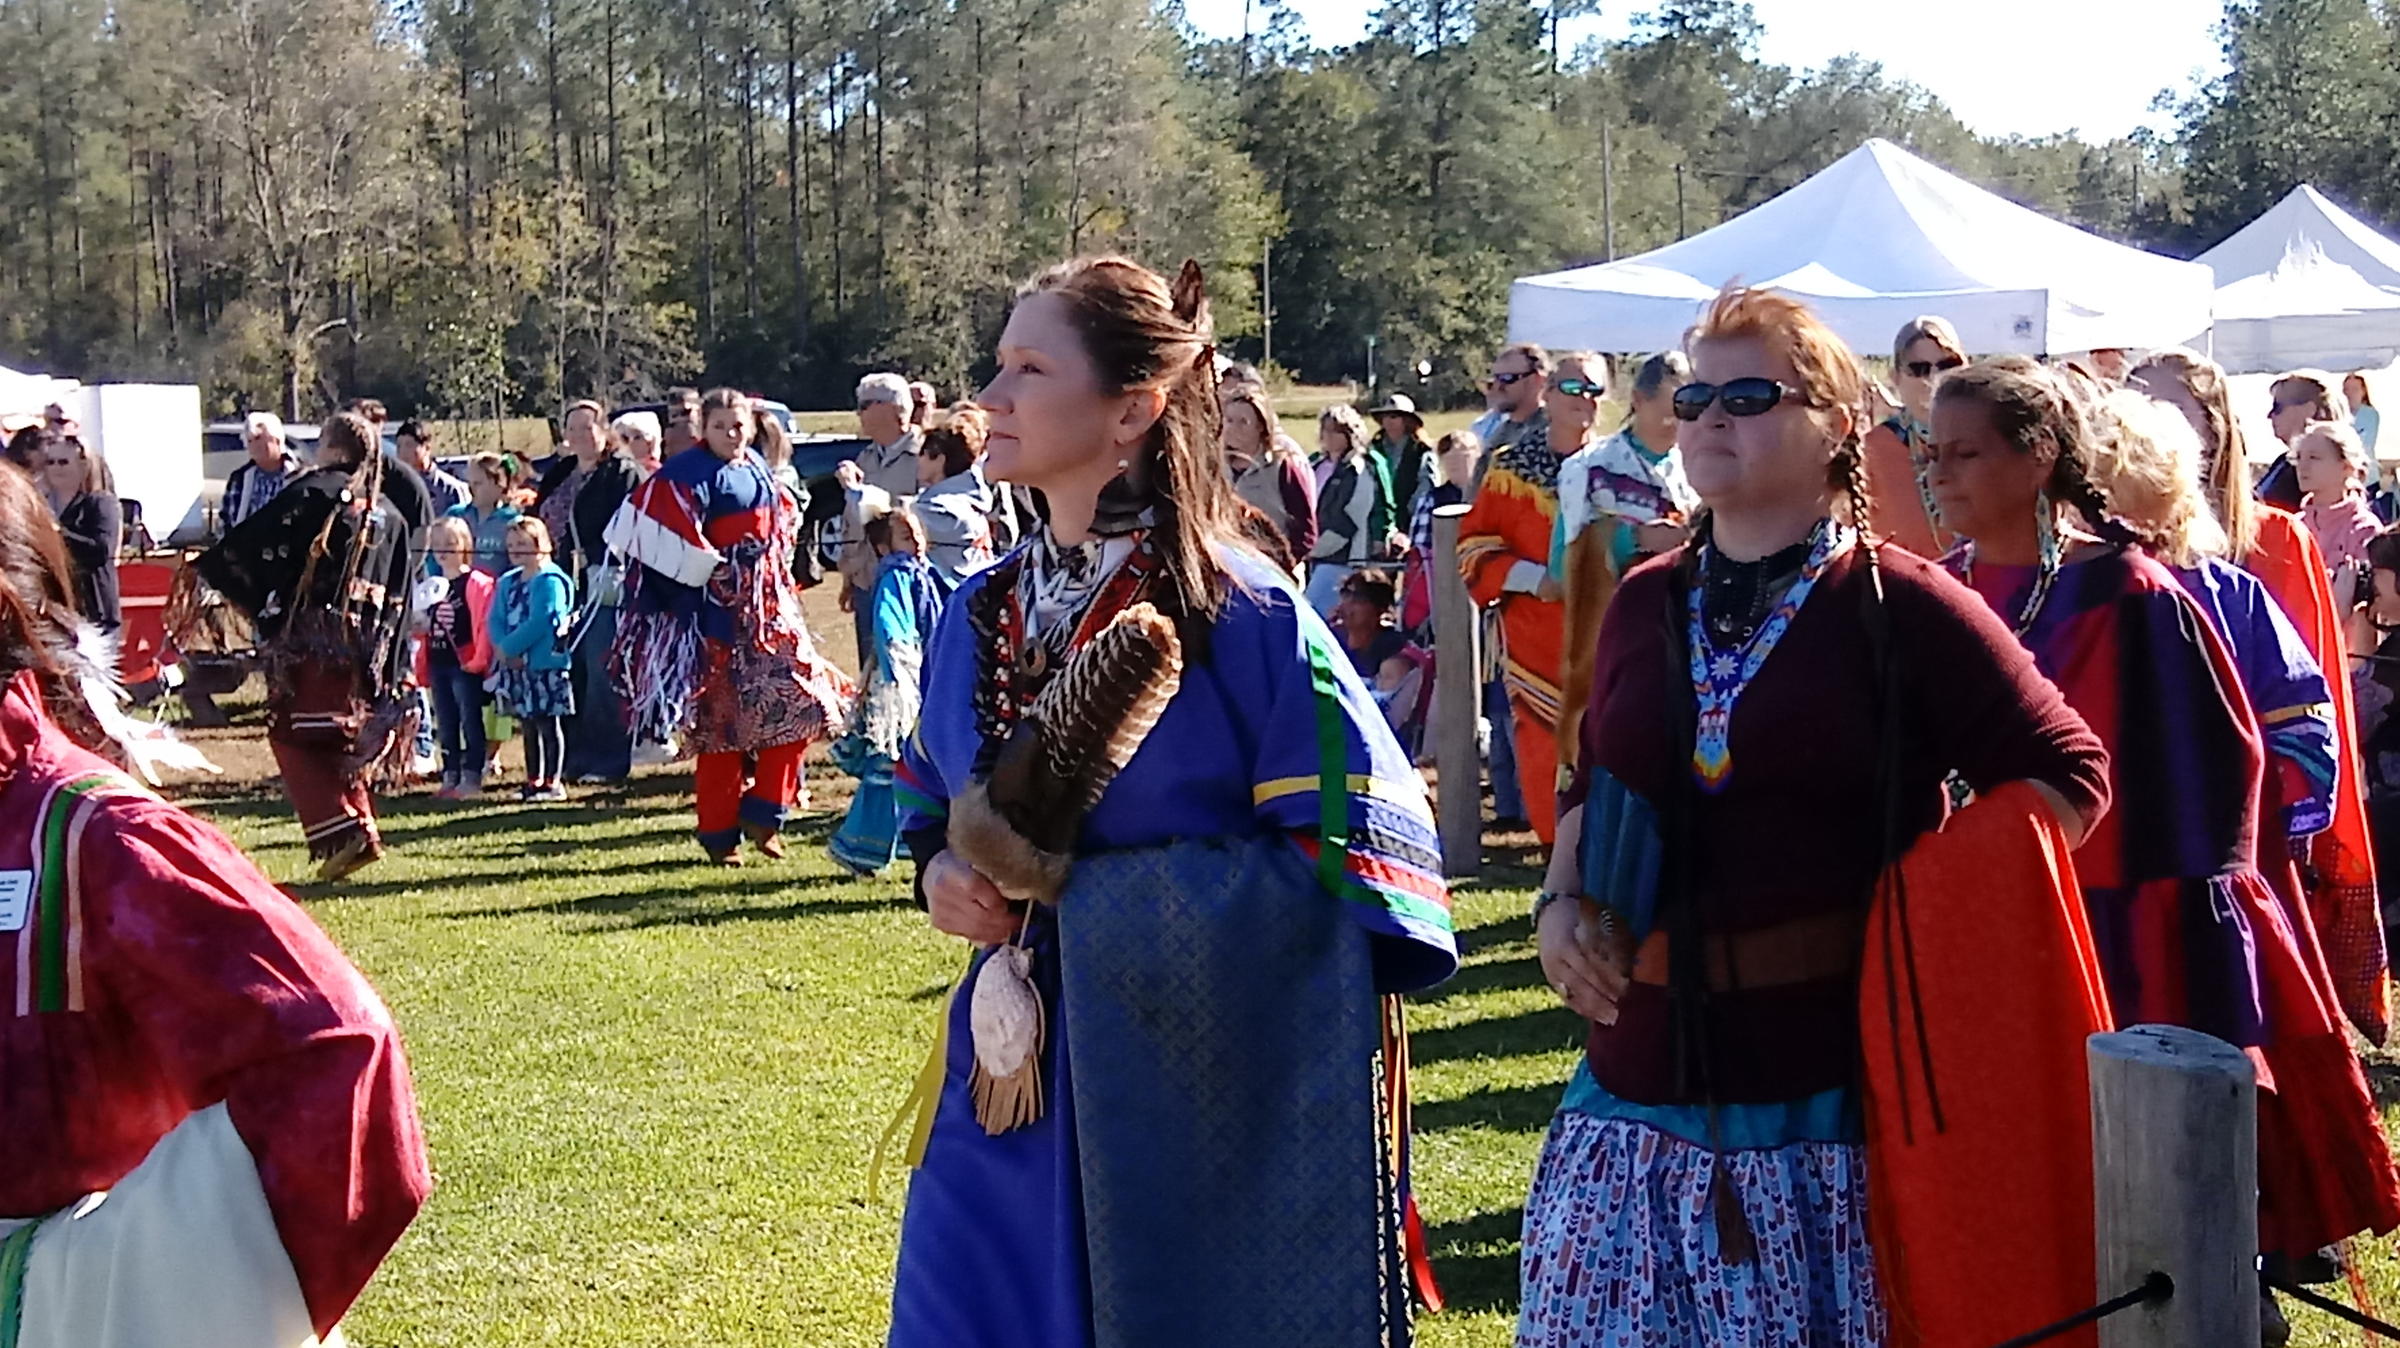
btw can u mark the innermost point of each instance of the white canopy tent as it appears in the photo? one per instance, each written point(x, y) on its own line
point(1877, 238)
point(2305, 285)
point(25, 395)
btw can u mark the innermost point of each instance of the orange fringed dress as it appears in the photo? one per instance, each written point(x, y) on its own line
point(1509, 525)
point(2339, 877)
point(1979, 989)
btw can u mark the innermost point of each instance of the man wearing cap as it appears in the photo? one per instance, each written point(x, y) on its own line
point(1405, 451)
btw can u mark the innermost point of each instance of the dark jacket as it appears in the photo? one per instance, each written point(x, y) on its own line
point(94, 527)
point(612, 481)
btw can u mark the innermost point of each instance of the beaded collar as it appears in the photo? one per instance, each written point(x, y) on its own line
point(1036, 609)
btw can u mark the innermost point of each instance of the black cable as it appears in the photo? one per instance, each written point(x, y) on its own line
point(2333, 1308)
point(2157, 1287)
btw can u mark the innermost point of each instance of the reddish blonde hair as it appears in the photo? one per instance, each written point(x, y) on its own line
point(1829, 371)
point(1830, 376)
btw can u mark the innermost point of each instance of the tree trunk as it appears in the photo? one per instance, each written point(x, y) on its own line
point(750, 158)
point(795, 176)
point(706, 206)
point(605, 346)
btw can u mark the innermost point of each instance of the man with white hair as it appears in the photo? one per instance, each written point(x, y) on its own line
point(883, 473)
point(271, 466)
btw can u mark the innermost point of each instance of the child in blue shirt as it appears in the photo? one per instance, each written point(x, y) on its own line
point(532, 608)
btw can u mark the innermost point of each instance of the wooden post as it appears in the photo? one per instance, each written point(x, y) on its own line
point(1457, 696)
point(2175, 1179)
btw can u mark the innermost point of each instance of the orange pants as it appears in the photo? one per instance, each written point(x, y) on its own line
point(1537, 768)
point(724, 805)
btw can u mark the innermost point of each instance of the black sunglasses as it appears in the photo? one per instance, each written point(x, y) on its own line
point(1743, 397)
point(1580, 388)
point(1504, 380)
point(1923, 369)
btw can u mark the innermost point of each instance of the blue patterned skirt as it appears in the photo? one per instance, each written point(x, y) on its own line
point(1621, 1244)
point(536, 692)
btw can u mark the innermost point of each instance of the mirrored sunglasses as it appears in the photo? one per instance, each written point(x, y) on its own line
point(1580, 388)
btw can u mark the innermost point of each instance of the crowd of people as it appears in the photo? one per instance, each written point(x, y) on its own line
point(1998, 698)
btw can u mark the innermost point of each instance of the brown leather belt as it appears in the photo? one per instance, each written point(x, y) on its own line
point(1804, 950)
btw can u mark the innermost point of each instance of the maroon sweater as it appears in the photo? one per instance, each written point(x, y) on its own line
point(1795, 832)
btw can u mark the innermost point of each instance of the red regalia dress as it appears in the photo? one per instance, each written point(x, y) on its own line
point(176, 1031)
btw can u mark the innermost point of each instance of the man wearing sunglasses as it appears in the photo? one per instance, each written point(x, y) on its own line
point(1513, 394)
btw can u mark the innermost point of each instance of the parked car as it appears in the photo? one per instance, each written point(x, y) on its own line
point(222, 449)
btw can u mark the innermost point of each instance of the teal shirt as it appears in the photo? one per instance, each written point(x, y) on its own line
point(491, 533)
point(549, 607)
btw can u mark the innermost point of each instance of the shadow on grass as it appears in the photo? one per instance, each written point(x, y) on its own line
point(1475, 1260)
point(1539, 1031)
point(704, 904)
point(1504, 1109)
point(1525, 971)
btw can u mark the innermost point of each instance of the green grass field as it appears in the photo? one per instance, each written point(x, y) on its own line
point(652, 1087)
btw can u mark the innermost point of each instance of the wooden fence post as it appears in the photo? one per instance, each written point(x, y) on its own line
point(2175, 1179)
point(1457, 700)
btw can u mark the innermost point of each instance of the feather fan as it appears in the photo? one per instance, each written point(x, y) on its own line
point(1081, 731)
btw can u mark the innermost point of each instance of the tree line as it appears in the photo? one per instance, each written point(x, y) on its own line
point(472, 207)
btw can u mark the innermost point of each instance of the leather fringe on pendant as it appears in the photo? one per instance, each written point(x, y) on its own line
point(1011, 1027)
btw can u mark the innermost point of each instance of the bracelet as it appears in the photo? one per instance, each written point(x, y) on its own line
point(1543, 900)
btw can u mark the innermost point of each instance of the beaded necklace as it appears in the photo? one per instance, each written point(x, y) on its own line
point(1914, 435)
point(1719, 676)
point(2045, 573)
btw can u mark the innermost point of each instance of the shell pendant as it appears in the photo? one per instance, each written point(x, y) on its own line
point(1009, 1025)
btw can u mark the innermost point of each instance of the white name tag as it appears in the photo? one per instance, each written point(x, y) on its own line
point(16, 899)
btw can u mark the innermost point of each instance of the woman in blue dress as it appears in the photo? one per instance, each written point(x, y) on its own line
point(1224, 1162)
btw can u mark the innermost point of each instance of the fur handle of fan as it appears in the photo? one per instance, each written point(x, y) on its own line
point(984, 839)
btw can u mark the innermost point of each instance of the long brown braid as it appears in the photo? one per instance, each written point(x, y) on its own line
point(1846, 472)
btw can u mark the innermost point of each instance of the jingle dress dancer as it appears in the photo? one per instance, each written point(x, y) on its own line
point(174, 1032)
point(1198, 1131)
point(711, 646)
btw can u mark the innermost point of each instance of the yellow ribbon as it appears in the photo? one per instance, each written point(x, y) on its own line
point(923, 1101)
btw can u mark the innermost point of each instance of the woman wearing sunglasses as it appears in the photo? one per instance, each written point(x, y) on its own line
point(2273, 545)
point(1739, 793)
point(2187, 929)
point(1923, 351)
point(1504, 553)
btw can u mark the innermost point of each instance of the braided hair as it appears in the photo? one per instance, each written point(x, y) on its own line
point(2029, 403)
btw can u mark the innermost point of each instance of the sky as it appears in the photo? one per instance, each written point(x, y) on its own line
point(2029, 67)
